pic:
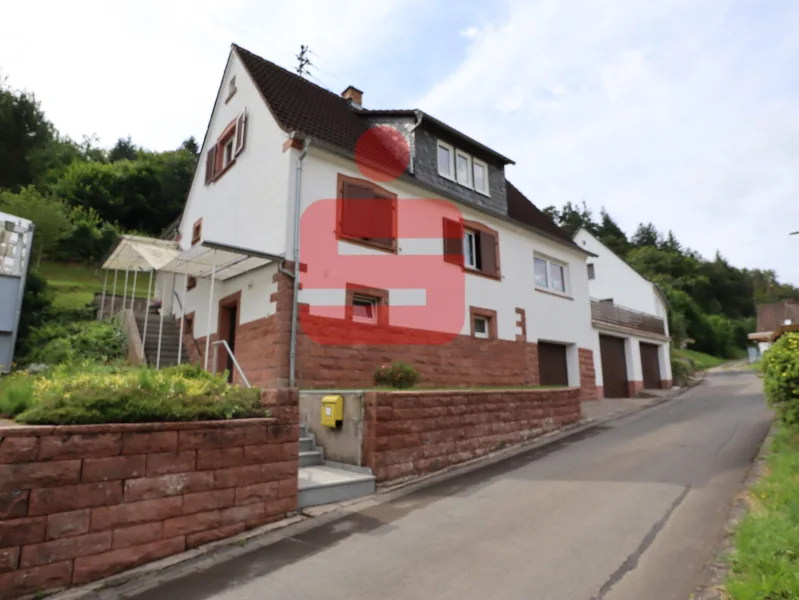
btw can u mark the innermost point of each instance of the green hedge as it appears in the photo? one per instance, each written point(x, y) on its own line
point(780, 368)
point(87, 394)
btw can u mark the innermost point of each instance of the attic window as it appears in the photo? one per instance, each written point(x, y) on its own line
point(231, 89)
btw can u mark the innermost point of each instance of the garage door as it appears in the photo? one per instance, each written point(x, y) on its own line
point(552, 364)
point(614, 367)
point(651, 366)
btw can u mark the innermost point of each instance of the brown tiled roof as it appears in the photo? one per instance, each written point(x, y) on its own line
point(524, 211)
point(302, 106)
point(772, 316)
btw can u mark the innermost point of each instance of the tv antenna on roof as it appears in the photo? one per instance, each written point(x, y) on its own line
point(304, 61)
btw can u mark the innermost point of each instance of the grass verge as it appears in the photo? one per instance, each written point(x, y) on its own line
point(74, 285)
point(766, 559)
point(701, 360)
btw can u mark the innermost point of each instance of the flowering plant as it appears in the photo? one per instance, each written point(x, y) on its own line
point(396, 375)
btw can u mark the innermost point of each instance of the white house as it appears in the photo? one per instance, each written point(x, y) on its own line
point(630, 319)
point(412, 247)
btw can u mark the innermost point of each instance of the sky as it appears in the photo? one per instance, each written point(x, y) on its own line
point(684, 113)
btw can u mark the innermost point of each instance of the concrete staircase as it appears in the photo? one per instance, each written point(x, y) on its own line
point(169, 340)
point(324, 482)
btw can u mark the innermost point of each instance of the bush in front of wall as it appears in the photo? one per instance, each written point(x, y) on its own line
point(83, 394)
point(396, 375)
point(59, 342)
point(780, 368)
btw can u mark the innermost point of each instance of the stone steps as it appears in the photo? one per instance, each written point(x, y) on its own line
point(323, 482)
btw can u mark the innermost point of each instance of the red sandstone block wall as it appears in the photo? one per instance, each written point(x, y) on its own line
point(588, 387)
point(78, 503)
point(412, 433)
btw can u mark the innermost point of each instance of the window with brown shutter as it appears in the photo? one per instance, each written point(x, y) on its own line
point(196, 232)
point(241, 130)
point(366, 214)
point(453, 241)
point(222, 155)
point(210, 165)
point(472, 245)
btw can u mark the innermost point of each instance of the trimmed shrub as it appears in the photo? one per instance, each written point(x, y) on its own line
point(681, 371)
point(61, 341)
point(16, 394)
point(780, 367)
point(396, 375)
point(86, 394)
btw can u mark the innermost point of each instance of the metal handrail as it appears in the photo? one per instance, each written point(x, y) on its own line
point(235, 362)
point(183, 316)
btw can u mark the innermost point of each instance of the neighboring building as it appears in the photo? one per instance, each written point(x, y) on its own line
point(629, 314)
point(773, 320)
point(273, 136)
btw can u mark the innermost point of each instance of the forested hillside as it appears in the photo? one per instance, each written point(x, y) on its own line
point(711, 301)
point(82, 196)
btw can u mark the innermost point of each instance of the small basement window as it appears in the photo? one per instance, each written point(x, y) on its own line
point(481, 327)
point(364, 309)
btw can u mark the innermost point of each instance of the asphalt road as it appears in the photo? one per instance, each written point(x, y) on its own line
point(627, 511)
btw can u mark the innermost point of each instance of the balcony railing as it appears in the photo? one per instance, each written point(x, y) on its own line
point(611, 314)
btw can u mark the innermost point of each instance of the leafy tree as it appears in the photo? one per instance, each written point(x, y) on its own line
point(191, 145)
point(646, 235)
point(25, 135)
point(48, 214)
point(572, 217)
point(671, 244)
point(145, 194)
point(610, 234)
point(124, 149)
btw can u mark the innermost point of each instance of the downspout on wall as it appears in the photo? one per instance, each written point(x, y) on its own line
point(296, 257)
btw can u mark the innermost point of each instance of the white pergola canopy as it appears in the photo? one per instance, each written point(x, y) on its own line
point(207, 259)
point(218, 260)
point(222, 261)
point(137, 253)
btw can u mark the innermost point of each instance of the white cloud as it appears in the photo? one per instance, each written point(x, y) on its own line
point(675, 112)
point(470, 32)
point(151, 68)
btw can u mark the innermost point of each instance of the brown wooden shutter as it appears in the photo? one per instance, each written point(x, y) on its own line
point(453, 242)
point(241, 130)
point(210, 165)
point(488, 254)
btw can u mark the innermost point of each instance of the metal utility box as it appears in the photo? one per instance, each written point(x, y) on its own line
point(16, 238)
point(332, 411)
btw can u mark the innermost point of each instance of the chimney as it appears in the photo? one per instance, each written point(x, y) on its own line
point(353, 95)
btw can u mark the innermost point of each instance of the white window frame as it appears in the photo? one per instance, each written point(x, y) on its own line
point(482, 335)
point(549, 287)
point(374, 302)
point(477, 162)
point(470, 243)
point(469, 174)
point(231, 143)
point(451, 176)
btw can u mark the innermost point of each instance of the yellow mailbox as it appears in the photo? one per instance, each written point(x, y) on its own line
point(332, 411)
